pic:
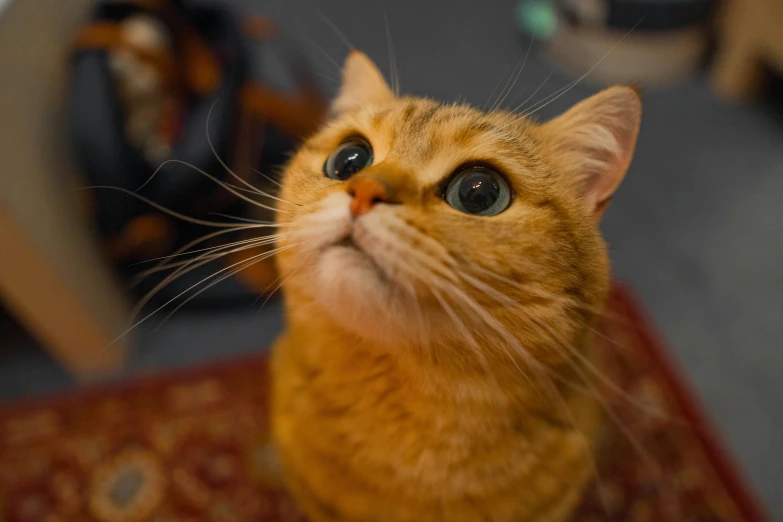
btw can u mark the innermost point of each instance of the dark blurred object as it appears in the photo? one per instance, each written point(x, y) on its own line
point(153, 80)
point(662, 42)
point(750, 40)
point(641, 15)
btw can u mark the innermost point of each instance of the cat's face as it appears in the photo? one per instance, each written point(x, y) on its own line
point(412, 221)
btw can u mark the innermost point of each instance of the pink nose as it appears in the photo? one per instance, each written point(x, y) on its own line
point(366, 193)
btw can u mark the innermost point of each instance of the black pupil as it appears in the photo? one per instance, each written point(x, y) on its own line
point(349, 160)
point(478, 191)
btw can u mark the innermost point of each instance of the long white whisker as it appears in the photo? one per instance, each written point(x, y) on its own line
point(169, 211)
point(186, 267)
point(135, 325)
point(395, 77)
point(243, 219)
point(495, 89)
point(271, 180)
point(510, 79)
point(325, 19)
point(235, 175)
point(326, 55)
point(471, 339)
point(515, 109)
point(503, 299)
point(261, 241)
point(226, 187)
point(281, 280)
point(183, 250)
point(245, 264)
point(574, 84)
point(500, 102)
point(549, 384)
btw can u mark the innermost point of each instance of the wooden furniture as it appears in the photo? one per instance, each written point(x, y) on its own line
point(52, 277)
point(750, 37)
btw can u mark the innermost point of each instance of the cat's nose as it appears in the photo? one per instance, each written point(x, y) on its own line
point(366, 192)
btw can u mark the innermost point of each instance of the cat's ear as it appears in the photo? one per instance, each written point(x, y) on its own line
point(597, 138)
point(363, 85)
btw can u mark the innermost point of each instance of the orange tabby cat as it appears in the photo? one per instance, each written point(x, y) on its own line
point(443, 271)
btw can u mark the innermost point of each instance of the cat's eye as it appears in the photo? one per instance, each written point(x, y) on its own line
point(479, 191)
point(348, 159)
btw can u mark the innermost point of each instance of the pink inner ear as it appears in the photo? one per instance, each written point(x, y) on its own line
point(605, 184)
point(599, 136)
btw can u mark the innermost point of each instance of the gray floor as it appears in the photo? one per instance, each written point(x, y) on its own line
point(697, 227)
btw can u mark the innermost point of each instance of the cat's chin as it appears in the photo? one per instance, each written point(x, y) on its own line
point(357, 292)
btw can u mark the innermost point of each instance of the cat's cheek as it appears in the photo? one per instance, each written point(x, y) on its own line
point(327, 225)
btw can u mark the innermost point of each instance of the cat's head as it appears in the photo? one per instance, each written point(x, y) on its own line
point(412, 220)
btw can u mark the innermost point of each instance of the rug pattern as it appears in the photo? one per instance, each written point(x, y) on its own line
point(193, 447)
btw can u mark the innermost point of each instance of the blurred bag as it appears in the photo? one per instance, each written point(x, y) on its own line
point(146, 78)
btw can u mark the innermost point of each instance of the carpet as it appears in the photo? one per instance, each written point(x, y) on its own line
point(193, 446)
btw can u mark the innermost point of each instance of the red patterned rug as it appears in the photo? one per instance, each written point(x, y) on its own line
point(192, 447)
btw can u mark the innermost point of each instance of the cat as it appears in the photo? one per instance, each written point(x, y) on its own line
point(443, 269)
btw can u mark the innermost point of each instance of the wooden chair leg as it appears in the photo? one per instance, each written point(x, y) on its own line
point(52, 277)
point(43, 301)
point(737, 73)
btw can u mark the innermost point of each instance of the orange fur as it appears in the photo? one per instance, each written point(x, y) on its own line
point(422, 375)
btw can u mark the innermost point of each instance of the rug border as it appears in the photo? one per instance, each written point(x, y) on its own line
point(731, 473)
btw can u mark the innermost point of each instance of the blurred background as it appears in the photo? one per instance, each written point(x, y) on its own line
point(101, 93)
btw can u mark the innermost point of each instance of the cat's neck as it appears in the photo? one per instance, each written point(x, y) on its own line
point(441, 370)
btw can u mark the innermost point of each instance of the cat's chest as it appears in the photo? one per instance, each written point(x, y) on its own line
point(372, 411)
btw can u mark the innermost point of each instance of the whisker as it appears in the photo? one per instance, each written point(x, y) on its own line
point(281, 280)
point(503, 299)
point(500, 102)
point(169, 211)
point(325, 19)
point(141, 321)
point(272, 180)
point(495, 89)
point(546, 98)
point(265, 240)
point(552, 389)
point(247, 263)
point(641, 451)
point(243, 219)
point(183, 250)
point(187, 267)
point(472, 340)
point(248, 191)
point(515, 109)
point(574, 84)
point(326, 55)
point(538, 293)
point(235, 175)
point(322, 75)
point(508, 82)
point(229, 189)
point(395, 77)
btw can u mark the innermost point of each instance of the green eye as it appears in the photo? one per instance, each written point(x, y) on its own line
point(478, 191)
point(348, 159)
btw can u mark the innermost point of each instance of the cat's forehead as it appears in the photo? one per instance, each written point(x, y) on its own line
point(434, 138)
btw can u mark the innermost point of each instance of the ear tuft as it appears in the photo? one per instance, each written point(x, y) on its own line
point(597, 138)
point(363, 85)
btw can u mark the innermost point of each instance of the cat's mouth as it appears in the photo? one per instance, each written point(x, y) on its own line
point(355, 253)
point(348, 242)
